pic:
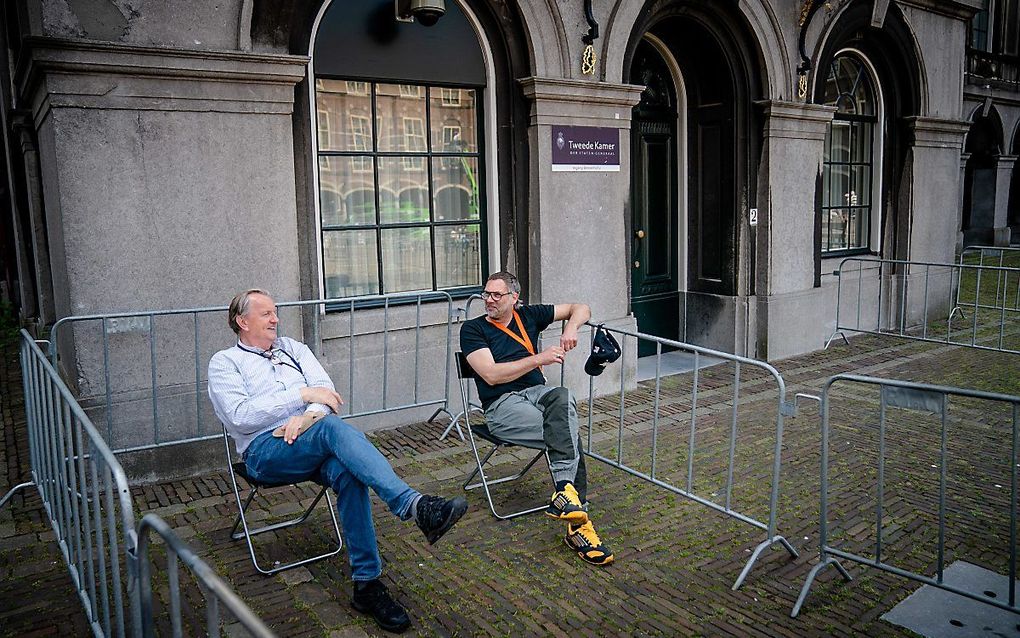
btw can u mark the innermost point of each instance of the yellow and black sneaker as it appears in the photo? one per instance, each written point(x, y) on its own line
point(566, 506)
point(583, 540)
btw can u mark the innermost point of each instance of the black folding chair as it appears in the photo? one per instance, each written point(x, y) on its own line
point(466, 375)
point(246, 532)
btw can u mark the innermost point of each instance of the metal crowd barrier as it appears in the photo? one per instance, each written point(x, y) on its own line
point(916, 397)
point(776, 394)
point(213, 589)
point(85, 494)
point(1007, 296)
point(903, 298)
point(201, 424)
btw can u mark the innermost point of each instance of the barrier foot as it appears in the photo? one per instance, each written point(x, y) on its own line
point(957, 309)
point(828, 341)
point(811, 578)
point(757, 552)
point(13, 490)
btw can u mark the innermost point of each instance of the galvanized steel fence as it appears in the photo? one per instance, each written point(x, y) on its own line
point(960, 446)
point(702, 433)
point(1007, 289)
point(156, 392)
point(922, 300)
point(85, 494)
point(215, 592)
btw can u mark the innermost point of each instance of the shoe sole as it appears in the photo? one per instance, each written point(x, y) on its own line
point(396, 629)
point(459, 507)
point(574, 518)
point(603, 563)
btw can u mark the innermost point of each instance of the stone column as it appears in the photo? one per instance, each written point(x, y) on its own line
point(789, 317)
point(964, 158)
point(1003, 175)
point(36, 218)
point(794, 150)
point(929, 221)
point(935, 183)
point(578, 221)
point(167, 168)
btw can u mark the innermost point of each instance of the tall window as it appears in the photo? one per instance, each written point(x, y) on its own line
point(849, 165)
point(400, 194)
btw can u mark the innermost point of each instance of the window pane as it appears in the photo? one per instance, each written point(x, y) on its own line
point(404, 180)
point(455, 183)
point(837, 228)
point(401, 116)
point(350, 263)
point(839, 185)
point(407, 259)
point(860, 186)
point(458, 256)
point(853, 228)
point(453, 121)
point(346, 190)
point(344, 112)
point(839, 141)
point(848, 87)
point(862, 142)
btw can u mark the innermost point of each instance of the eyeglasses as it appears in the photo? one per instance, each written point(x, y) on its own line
point(495, 296)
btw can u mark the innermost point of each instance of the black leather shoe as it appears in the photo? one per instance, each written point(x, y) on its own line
point(435, 515)
point(370, 597)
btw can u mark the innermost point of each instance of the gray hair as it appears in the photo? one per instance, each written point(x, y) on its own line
point(511, 281)
point(239, 306)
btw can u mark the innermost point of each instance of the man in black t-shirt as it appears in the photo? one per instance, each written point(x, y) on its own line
point(521, 408)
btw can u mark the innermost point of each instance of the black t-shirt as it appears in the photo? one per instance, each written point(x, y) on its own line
point(478, 333)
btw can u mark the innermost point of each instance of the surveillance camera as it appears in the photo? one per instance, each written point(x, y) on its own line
point(426, 12)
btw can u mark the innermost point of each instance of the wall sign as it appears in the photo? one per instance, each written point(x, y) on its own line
point(585, 148)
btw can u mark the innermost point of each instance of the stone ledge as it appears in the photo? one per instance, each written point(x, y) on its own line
point(86, 74)
point(562, 101)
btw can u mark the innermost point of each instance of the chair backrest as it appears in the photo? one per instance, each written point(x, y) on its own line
point(464, 369)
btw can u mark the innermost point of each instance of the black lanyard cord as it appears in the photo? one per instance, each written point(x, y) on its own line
point(271, 356)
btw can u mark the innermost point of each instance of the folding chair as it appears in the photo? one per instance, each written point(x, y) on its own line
point(246, 532)
point(465, 375)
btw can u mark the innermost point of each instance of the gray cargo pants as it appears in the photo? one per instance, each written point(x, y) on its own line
point(538, 417)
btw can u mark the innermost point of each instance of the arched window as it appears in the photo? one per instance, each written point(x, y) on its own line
point(850, 164)
point(398, 117)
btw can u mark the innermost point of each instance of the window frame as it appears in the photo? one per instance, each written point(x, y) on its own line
point(424, 162)
point(872, 236)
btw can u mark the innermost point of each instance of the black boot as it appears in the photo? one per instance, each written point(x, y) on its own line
point(435, 515)
point(370, 597)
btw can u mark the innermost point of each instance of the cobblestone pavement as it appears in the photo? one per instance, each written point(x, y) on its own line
point(675, 559)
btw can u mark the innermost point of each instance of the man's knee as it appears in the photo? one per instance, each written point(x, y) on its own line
point(557, 398)
point(337, 425)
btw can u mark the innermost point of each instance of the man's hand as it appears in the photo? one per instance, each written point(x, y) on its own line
point(295, 426)
point(325, 396)
point(552, 354)
point(568, 340)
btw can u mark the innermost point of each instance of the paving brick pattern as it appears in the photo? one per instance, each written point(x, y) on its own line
point(675, 559)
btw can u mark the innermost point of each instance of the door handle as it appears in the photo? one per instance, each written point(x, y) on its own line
point(640, 234)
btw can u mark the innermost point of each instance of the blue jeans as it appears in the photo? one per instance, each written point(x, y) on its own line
point(334, 453)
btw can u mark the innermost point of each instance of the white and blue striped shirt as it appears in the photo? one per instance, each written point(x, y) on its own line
point(252, 395)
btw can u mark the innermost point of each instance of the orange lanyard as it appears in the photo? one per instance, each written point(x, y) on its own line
point(522, 339)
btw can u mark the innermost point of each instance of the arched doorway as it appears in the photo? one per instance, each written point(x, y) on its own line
point(657, 248)
point(695, 141)
point(979, 179)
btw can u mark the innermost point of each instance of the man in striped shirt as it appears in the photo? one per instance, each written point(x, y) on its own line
point(280, 407)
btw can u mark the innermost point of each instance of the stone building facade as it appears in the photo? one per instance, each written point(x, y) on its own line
point(167, 154)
